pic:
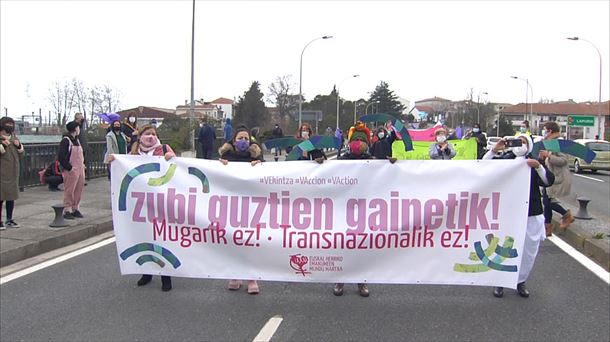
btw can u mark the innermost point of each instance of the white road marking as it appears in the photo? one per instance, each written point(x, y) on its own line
point(591, 178)
point(54, 261)
point(581, 258)
point(268, 329)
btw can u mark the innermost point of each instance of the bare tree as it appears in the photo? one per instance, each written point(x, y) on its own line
point(280, 94)
point(61, 97)
point(65, 97)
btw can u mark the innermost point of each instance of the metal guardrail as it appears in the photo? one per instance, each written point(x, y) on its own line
point(37, 157)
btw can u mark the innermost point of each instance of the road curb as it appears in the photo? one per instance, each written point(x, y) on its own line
point(66, 236)
point(597, 250)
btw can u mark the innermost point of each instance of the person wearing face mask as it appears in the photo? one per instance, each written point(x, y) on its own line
point(524, 129)
point(304, 133)
point(441, 149)
point(481, 140)
point(540, 176)
point(72, 161)
point(241, 149)
point(130, 128)
point(116, 142)
point(148, 144)
point(10, 151)
point(557, 162)
point(382, 148)
point(359, 138)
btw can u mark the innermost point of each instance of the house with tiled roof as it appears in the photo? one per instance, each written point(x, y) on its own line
point(226, 106)
point(201, 109)
point(438, 104)
point(539, 113)
point(146, 115)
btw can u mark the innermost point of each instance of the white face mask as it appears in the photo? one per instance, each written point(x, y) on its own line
point(381, 135)
point(476, 130)
point(523, 129)
point(441, 138)
point(305, 134)
point(132, 119)
point(520, 151)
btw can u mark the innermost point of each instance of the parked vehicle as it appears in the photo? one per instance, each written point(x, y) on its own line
point(602, 158)
point(491, 142)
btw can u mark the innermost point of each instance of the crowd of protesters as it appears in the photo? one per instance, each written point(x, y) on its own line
point(550, 177)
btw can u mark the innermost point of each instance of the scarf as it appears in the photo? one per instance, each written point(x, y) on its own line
point(145, 150)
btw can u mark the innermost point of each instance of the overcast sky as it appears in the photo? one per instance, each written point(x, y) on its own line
point(422, 49)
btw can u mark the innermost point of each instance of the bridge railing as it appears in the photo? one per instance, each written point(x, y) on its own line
point(37, 157)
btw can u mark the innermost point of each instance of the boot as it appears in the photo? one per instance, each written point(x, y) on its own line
point(522, 290)
point(566, 220)
point(548, 227)
point(146, 278)
point(166, 283)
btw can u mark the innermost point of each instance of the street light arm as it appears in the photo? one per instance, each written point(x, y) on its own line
point(301, 76)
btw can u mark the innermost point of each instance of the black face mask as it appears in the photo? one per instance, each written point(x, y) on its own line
point(116, 129)
point(8, 129)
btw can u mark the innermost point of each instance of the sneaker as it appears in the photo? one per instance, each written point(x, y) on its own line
point(69, 216)
point(338, 289)
point(363, 289)
point(11, 224)
point(253, 287)
point(2, 227)
point(234, 285)
point(77, 214)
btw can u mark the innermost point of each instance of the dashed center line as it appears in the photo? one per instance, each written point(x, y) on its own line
point(268, 329)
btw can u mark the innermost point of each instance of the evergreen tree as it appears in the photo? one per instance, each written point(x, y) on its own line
point(388, 101)
point(251, 110)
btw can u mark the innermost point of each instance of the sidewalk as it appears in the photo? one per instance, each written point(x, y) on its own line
point(34, 213)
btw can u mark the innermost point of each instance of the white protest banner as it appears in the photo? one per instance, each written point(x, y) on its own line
point(429, 222)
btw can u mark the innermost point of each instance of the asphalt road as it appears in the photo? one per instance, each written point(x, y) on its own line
point(594, 186)
point(86, 299)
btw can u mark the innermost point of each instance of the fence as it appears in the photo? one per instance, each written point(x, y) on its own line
point(39, 156)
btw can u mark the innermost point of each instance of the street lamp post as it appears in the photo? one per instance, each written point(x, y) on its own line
point(478, 110)
point(301, 77)
point(353, 76)
point(600, 129)
point(366, 109)
point(355, 108)
point(530, 88)
point(192, 106)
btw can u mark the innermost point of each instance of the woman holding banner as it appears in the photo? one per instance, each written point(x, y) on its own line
point(534, 231)
point(148, 144)
point(241, 149)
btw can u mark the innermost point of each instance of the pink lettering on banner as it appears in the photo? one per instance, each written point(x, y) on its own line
point(273, 211)
point(361, 214)
point(158, 204)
